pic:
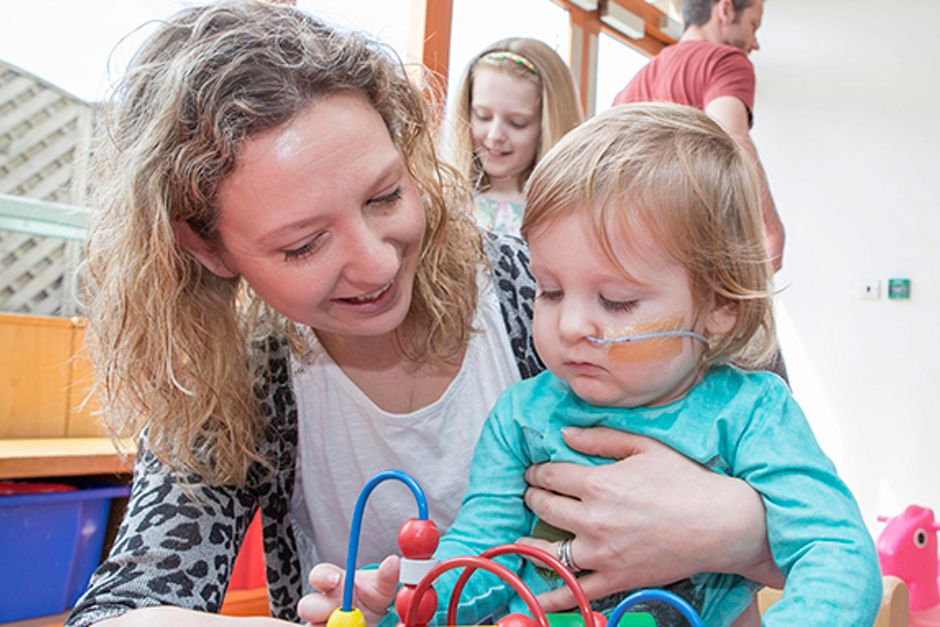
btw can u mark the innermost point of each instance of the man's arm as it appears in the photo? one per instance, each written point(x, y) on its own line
point(731, 113)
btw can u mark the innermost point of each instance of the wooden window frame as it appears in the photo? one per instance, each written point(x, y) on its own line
point(430, 33)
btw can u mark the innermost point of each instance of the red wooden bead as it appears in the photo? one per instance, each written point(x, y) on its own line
point(599, 620)
point(516, 620)
point(418, 538)
point(426, 609)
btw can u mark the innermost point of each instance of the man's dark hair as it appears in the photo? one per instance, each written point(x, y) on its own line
point(699, 12)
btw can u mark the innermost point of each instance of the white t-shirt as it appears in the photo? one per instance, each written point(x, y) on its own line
point(344, 440)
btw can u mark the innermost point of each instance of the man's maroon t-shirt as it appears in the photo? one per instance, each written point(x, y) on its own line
point(693, 73)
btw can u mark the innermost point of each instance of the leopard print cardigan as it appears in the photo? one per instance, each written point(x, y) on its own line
point(173, 549)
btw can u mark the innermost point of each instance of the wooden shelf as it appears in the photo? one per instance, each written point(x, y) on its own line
point(61, 457)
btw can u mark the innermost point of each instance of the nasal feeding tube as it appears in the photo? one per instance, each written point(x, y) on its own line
point(649, 335)
point(646, 342)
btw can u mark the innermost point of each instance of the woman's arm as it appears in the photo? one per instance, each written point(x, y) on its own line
point(175, 546)
point(649, 519)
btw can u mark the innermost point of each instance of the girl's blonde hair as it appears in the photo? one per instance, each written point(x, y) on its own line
point(172, 342)
point(559, 105)
point(673, 170)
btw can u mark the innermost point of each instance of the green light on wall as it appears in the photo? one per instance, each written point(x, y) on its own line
point(899, 289)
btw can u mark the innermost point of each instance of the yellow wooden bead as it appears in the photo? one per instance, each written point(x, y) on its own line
point(352, 618)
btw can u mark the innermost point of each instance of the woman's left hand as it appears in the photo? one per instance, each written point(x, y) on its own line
point(652, 518)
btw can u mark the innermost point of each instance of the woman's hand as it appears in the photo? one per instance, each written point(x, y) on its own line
point(374, 592)
point(649, 519)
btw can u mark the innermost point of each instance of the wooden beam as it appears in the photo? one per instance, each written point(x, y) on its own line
point(583, 61)
point(429, 36)
point(648, 45)
point(652, 16)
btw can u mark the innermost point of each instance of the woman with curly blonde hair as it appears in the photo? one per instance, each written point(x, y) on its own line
point(285, 298)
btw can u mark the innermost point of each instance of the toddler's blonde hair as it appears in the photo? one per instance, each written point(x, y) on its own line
point(673, 170)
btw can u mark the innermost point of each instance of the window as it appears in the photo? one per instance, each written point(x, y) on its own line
point(386, 21)
point(478, 23)
point(617, 63)
point(100, 36)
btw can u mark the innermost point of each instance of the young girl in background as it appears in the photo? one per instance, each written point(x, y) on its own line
point(646, 244)
point(514, 101)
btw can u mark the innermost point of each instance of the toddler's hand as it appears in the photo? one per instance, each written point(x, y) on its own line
point(374, 592)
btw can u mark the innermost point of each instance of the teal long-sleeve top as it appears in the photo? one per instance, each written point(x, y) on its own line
point(737, 423)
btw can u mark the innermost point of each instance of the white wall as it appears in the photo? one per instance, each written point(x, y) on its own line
point(847, 127)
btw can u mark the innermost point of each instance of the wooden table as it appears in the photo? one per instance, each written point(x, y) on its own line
point(61, 457)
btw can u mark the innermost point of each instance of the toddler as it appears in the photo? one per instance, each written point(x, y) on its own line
point(647, 248)
point(514, 101)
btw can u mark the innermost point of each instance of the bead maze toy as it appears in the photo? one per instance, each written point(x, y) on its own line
point(416, 601)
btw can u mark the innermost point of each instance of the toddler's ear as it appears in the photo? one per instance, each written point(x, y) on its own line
point(722, 318)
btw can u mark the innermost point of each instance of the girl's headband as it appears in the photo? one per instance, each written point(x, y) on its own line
point(506, 55)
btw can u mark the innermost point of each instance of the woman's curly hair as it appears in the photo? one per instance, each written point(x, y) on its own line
point(172, 342)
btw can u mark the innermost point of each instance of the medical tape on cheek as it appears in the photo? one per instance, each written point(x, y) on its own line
point(661, 339)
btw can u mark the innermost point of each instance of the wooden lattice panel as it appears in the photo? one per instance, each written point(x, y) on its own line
point(44, 144)
point(36, 274)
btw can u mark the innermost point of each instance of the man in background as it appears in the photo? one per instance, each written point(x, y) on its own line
point(709, 69)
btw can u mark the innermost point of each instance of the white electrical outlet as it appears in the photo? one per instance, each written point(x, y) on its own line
point(871, 289)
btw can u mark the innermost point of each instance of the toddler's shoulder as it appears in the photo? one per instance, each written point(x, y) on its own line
point(533, 392)
point(736, 381)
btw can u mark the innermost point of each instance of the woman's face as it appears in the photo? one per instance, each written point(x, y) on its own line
point(323, 220)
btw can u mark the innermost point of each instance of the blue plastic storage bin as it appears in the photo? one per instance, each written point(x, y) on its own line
point(50, 544)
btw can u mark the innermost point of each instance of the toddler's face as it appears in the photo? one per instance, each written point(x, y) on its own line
point(581, 293)
point(505, 122)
